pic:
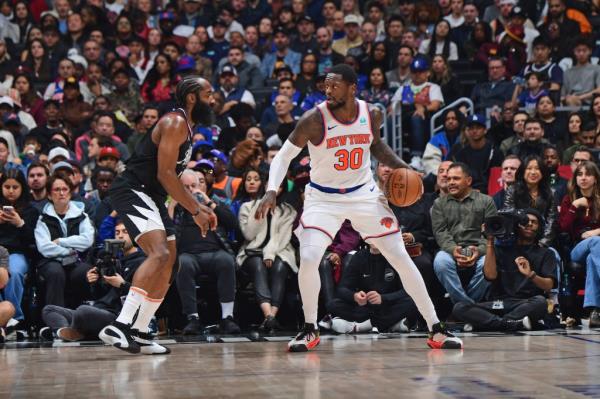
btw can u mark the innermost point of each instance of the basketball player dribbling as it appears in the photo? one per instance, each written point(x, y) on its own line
point(341, 133)
point(139, 195)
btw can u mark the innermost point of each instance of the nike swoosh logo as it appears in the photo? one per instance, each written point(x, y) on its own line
point(372, 188)
point(331, 127)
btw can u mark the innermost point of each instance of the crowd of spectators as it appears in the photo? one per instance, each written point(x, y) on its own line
point(82, 81)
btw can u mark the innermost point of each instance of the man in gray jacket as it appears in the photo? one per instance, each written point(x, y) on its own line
point(249, 74)
point(457, 219)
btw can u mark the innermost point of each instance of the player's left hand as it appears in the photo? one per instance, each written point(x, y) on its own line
point(374, 298)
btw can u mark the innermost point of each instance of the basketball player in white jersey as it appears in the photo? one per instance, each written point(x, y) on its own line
point(341, 133)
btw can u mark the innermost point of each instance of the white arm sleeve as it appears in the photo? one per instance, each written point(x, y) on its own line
point(280, 164)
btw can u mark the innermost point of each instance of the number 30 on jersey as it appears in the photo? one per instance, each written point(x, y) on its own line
point(349, 159)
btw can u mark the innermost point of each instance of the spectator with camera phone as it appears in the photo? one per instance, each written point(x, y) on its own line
point(110, 280)
point(520, 271)
point(456, 219)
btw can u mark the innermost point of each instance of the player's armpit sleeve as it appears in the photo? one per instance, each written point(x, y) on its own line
point(281, 163)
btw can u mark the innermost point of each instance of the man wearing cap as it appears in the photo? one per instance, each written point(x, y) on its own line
point(53, 122)
point(75, 111)
point(249, 74)
point(226, 185)
point(478, 152)
point(166, 23)
point(232, 92)
point(516, 25)
point(352, 38)
point(420, 99)
point(368, 33)
point(219, 45)
point(283, 55)
point(108, 157)
point(58, 154)
point(66, 69)
point(305, 39)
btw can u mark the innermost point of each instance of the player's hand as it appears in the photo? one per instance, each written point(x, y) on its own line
point(361, 298)
point(267, 204)
point(374, 298)
point(205, 219)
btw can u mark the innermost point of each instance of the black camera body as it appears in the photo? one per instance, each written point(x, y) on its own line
point(504, 225)
point(108, 262)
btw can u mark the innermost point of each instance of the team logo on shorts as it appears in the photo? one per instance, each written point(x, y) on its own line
point(388, 222)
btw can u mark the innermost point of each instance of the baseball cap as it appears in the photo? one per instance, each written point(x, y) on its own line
point(58, 152)
point(419, 64)
point(229, 69)
point(216, 154)
point(186, 63)
point(204, 164)
point(77, 59)
point(306, 18)
point(220, 21)
point(166, 15)
point(476, 119)
point(517, 12)
point(11, 118)
point(61, 165)
point(505, 2)
point(351, 19)
point(280, 29)
point(7, 100)
point(71, 82)
point(109, 152)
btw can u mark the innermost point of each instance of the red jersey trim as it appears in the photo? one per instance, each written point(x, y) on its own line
point(382, 235)
point(316, 228)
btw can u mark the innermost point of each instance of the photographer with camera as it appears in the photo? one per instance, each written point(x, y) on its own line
point(457, 219)
point(110, 280)
point(521, 272)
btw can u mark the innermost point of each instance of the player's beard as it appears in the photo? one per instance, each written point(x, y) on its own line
point(336, 104)
point(202, 113)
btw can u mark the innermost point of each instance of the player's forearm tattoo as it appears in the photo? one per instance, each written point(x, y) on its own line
point(385, 155)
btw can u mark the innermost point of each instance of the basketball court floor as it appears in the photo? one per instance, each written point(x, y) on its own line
point(544, 364)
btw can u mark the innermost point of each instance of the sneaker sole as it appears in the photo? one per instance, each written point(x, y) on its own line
point(304, 348)
point(116, 342)
point(147, 350)
point(444, 345)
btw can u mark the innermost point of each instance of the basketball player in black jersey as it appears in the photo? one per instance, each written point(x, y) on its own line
point(139, 195)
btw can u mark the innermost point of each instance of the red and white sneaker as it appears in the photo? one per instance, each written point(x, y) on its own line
point(441, 338)
point(306, 339)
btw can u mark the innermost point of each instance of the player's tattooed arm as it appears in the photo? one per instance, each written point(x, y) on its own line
point(380, 150)
point(309, 128)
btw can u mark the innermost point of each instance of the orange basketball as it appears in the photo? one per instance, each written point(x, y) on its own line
point(404, 187)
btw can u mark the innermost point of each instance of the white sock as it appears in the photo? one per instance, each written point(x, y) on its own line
point(147, 309)
point(226, 309)
point(365, 326)
point(392, 247)
point(132, 304)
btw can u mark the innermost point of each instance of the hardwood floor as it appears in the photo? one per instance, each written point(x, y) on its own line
point(528, 365)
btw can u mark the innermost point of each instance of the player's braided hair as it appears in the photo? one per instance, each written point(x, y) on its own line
point(187, 85)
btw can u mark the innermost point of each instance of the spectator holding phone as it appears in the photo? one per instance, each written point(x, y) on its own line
point(63, 234)
point(17, 221)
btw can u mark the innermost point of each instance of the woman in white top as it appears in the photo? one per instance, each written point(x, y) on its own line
point(440, 43)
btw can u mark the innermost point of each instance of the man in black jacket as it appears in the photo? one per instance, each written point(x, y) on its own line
point(88, 320)
point(211, 255)
point(520, 272)
point(370, 295)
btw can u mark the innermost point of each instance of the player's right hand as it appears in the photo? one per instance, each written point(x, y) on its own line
point(267, 204)
point(205, 219)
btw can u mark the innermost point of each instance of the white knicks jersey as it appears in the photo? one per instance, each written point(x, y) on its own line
point(343, 158)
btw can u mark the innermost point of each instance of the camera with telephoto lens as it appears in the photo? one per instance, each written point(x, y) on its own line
point(504, 225)
point(108, 262)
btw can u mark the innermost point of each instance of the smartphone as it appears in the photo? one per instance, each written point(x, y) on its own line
point(8, 209)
